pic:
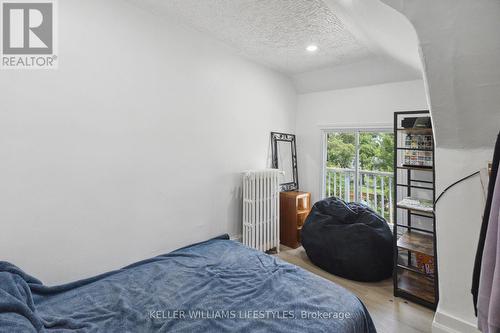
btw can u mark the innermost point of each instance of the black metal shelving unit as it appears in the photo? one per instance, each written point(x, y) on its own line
point(414, 229)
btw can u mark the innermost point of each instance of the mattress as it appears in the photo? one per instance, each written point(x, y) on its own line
point(216, 286)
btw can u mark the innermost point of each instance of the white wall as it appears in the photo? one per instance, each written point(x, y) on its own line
point(460, 44)
point(371, 71)
point(458, 221)
point(460, 49)
point(133, 147)
point(390, 39)
point(369, 105)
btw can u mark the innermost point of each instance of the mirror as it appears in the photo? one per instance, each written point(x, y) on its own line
point(284, 157)
point(284, 152)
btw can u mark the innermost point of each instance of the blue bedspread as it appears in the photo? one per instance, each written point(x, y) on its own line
point(214, 286)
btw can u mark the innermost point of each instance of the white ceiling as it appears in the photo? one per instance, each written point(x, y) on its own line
point(275, 33)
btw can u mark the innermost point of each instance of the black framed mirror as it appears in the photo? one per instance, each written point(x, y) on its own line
point(284, 157)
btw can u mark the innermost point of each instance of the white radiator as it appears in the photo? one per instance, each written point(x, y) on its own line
point(261, 213)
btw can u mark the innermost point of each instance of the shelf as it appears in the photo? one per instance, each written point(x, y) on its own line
point(418, 168)
point(414, 186)
point(425, 131)
point(415, 228)
point(417, 205)
point(417, 242)
point(415, 270)
point(417, 285)
point(416, 149)
point(294, 209)
point(302, 216)
point(413, 213)
point(421, 213)
point(414, 158)
point(421, 181)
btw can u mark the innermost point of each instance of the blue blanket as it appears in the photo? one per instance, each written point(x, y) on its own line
point(214, 286)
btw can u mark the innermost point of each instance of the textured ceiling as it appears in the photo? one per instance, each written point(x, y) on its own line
point(272, 32)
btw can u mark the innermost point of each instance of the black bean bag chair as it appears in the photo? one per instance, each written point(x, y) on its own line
point(349, 240)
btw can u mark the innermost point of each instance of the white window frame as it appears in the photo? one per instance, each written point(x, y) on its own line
point(350, 128)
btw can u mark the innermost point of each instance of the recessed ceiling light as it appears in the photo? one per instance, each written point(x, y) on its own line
point(312, 48)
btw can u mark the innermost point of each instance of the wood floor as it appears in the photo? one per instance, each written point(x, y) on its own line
point(390, 314)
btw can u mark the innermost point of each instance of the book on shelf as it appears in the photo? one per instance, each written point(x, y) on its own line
point(425, 264)
point(423, 157)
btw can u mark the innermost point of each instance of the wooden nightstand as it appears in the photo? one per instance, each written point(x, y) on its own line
point(294, 208)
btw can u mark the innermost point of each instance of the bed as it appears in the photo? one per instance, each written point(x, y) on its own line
point(216, 286)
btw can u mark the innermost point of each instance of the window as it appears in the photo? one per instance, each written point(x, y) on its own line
point(358, 166)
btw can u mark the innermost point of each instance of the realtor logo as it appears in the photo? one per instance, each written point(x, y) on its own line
point(28, 34)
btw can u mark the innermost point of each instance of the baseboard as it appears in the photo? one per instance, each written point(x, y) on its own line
point(445, 323)
point(236, 237)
